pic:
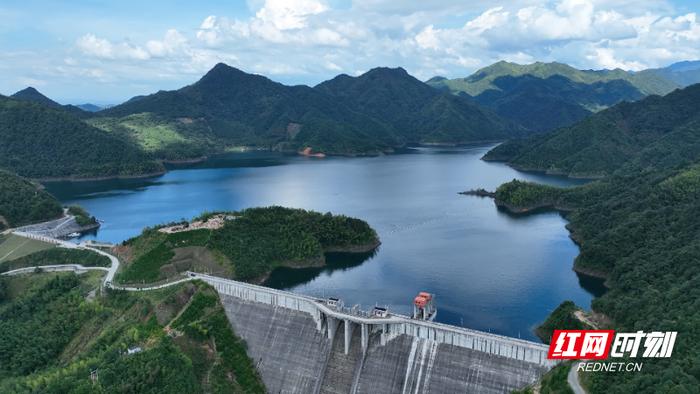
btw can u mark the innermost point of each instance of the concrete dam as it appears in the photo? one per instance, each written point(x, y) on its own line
point(301, 344)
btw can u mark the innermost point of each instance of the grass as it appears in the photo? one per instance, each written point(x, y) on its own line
point(155, 250)
point(149, 134)
point(147, 267)
point(14, 247)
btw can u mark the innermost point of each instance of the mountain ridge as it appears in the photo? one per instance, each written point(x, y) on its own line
point(606, 141)
point(250, 109)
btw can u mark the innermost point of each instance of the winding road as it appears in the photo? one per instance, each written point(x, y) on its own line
point(572, 379)
point(108, 280)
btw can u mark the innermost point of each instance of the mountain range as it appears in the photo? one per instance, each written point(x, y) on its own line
point(637, 226)
point(32, 95)
point(610, 139)
point(545, 96)
point(376, 112)
point(38, 141)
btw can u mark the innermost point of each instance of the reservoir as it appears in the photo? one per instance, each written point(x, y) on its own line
point(489, 270)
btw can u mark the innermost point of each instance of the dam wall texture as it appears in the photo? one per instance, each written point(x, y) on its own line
point(305, 345)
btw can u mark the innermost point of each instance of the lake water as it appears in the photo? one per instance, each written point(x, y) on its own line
point(489, 270)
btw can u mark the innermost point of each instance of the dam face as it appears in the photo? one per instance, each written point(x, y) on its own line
point(300, 345)
point(294, 357)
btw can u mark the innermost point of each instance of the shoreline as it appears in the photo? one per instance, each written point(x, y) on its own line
point(99, 178)
point(539, 171)
point(201, 159)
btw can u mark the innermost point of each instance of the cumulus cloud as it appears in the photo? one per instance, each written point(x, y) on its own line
point(101, 48)
point(310, 40)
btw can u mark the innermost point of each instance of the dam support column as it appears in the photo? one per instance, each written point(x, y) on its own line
point(332, 327)
point(364, 330)
point(348, 333)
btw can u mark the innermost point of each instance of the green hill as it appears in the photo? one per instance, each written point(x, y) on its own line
point(416, 112)
point(545, 104)
point(637, 227)
point(604, 142)
point(41, 142)
point(482, 79)
point(248, 246)
point(24, 202)
point(57, 330)
point(32, 95)
point(682, 73)
point(545, 96)
point(245, 109)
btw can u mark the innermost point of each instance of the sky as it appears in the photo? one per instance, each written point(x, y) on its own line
point(105, 52)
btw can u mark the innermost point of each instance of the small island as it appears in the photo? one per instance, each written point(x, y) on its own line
point(246, 245)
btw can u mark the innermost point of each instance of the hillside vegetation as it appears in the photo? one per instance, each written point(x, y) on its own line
point(52, 337)
point(24, 202)
point(545, 96)
point(40, 142)
point(628, 132)
point(638, 228)
point(385, 109)
point(249, 245)
point(416, 112)
point(482, 80)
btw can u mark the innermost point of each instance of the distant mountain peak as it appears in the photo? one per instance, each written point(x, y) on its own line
point(436, 78)
point(396, 71)
point(31, 94)
point(222, 74)
point(223, 70)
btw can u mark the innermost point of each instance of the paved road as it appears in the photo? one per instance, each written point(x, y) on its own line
point(108, 280)
point(53, 268)
point(573, 380)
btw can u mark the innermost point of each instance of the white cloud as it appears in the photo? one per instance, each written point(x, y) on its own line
point(101, 48)
point(289, 14)
point(309, 40)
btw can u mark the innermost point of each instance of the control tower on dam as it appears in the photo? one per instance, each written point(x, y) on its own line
point(301, 344)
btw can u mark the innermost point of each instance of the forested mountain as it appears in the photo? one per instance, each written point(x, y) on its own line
point(32, 95)
point(89, 107)
point(482, 79)
point(40, 142)
point(542, 104)
point(416, 112)
point(250, 246)
point(246, 109)
point(23, 202)
point(604, 142)
point(545, 96)
point(637, 228)
point(683, 73)
point(56, 336)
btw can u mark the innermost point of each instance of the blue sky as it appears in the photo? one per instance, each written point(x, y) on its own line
point(108, 51)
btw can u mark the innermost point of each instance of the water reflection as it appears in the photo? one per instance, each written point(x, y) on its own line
point(284, 277)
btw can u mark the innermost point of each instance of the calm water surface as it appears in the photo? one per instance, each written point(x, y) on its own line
point(489, 270)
